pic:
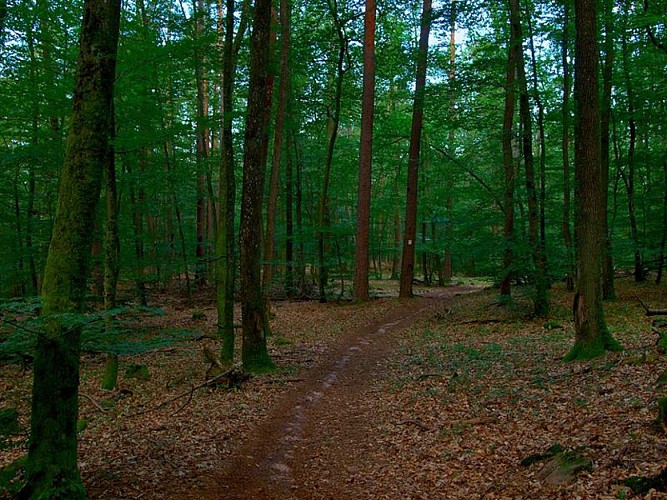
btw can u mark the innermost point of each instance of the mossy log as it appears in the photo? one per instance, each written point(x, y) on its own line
point(642, 485)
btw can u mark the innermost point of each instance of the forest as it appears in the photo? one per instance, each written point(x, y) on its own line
point(189, 175)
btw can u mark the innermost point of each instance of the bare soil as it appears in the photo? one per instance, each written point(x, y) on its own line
point(315, 441)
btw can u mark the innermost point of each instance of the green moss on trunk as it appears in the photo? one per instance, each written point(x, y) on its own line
point(51, 468)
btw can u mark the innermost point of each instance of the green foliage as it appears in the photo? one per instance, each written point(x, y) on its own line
point(140, 372)
point(11, 476)
point(22, 324)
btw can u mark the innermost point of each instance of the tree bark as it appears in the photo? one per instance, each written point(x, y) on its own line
point(111, 261)
point(410, 232)
point(203, 142)
point(592, 337)
point(565, 142)
point(255, 324)
point(361, 264)
point(509, 172)
point(629, 177)
point(225, 248)
point(541, 299)
point(663, 240)
point(608, 287)
point(51, 469)
point(332, 126)
point(279, 134)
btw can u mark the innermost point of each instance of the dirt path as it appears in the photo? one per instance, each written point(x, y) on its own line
point(315, 441)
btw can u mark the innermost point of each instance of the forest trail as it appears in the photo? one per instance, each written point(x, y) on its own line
point(319, 434)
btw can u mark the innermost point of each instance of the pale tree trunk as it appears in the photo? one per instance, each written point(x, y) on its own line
point(361, 264)
point(51, 469)
point(591, 335)
point(255, 323)
point(410, 232)
point(279, 134)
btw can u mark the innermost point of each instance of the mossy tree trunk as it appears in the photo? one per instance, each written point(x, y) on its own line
point(111, 265)
point(255, 323)
point(51, 470)
point(592, 336)
point(224, 249)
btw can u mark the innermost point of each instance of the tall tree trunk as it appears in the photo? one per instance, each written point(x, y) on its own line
point(334, 122)
point(592, 337)
point(138, 233)
point(361, 255)
point(203, 142)
point(410, 232)
point(449, 202)
point(225, 248)
point(541, 299)
point(663, 240)
point(255, 323)
point(111, 264)
point(629, 177)
point(565, 141)
point(51, 469)
point(509, 171)
point(298, 209)
point(608, 287)
point(279, 135)
point(543, 266)
point(289, 211)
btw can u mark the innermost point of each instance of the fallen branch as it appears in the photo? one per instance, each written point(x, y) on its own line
point(416, 423)
point(649, 311)
point(189, 393)
point(95, 403)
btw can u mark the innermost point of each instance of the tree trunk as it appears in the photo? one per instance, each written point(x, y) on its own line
point(449, 202)
point(51, 469)
point(592, 337)
point(202, 140)
point(509, 171)
point(361, 264)
point(663, 241)
point(334, 122)
point(543, 267)
point(629, 177)
point(225, 248)
point(111, 263)
point(608, 287)
point(255, 323)
point(279, 134)
point(541, 299)
point(410, 233)
point(565, 141)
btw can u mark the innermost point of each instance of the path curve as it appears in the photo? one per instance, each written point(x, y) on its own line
point(314, 440)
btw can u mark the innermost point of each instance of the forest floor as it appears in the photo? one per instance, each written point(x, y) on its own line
point(441, 396)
